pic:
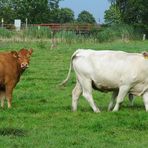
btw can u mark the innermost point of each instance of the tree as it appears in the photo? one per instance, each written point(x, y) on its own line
point(6, 11)
point(37, 11)
point(132, 11)
point(86, 17)
point(112, 1)
point(54, 11)
point(113, 15)
point(54, 4)
point(66, 15)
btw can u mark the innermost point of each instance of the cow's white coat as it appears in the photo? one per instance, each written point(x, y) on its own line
point(121, 72)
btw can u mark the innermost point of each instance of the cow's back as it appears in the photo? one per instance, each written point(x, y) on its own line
point(110, 68)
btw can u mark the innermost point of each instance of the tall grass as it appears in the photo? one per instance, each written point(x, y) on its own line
point(37, 32)
point(105, 34)
point(118, 32)
point(29, 33)
point(71, 37)
point(5, 33)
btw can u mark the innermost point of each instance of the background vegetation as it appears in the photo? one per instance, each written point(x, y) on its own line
point(34, 11)
point(132, 13)
point(103, 34)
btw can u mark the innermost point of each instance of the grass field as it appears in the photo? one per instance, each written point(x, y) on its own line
point(41, 114)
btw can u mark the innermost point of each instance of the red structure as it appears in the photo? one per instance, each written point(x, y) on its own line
point(79, 28)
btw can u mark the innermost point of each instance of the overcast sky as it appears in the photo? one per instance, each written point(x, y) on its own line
point(95, 7)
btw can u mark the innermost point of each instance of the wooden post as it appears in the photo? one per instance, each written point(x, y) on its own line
point(144, 37)
point(26, 23)
point(53, 41)
point(2, 22)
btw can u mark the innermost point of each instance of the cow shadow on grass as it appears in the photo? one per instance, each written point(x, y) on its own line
point(13, 132)
point(103, 108)
point(135, 107)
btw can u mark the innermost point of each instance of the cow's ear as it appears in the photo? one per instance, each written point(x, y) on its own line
point(30, 51)
point(14, 54)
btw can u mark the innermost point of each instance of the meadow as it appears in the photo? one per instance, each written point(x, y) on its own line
point(41, 114)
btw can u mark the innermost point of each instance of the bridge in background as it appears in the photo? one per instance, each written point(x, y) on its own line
point(78, 28)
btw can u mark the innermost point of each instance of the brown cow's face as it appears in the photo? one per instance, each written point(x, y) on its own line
point(24, 57)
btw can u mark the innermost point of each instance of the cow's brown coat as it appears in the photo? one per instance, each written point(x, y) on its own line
point(12, 65)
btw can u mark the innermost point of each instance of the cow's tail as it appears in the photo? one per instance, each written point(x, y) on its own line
point(63, 83)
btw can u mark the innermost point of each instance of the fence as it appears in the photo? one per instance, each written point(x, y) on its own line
point(78, 28)
point(55, 27)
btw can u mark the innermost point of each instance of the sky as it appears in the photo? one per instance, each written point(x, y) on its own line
point(95, 7)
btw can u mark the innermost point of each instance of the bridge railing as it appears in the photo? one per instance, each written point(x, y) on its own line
point(71, 27)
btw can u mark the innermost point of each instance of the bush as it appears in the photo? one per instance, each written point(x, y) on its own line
point(116, 32)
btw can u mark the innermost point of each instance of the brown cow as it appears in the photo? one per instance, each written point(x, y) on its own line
point(12, 65)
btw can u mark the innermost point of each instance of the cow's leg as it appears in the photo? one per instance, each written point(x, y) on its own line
point(2, 97)
point(87, 93)
point(145, 99)
point(112, 102)
point(75, 95)
point(131, 99)
point(123, 90)
point(9, 89)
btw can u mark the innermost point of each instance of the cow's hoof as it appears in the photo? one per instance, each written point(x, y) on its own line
point(97, 111)
point(114, 110)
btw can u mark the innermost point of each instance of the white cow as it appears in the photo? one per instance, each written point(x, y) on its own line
point(121, 72)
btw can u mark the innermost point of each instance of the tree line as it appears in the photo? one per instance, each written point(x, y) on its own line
point(132, 12)
point(40, 11)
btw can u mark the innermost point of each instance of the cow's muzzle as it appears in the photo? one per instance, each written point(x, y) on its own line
point(24, 65)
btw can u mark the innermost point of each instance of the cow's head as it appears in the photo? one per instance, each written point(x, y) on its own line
point(23, 57)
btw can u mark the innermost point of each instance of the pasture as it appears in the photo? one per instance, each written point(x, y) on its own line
point(41, 110)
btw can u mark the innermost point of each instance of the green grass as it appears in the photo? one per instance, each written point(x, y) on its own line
point(41, 111)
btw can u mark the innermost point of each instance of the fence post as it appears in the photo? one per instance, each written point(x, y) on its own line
point(144, 37)
point(53, 40)
point(26, 23)
point(122, 37)
point(2, 22)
